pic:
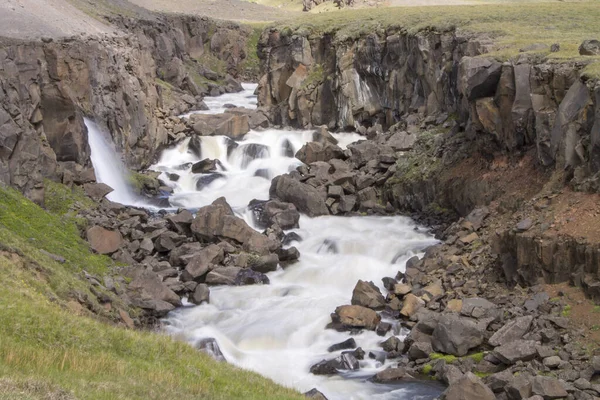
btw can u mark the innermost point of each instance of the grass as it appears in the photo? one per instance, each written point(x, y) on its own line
point(288, 5)
point(250, 67)
point(52, 348)
point(512, 26)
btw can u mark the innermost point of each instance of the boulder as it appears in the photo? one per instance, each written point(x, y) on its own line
point(356, 317)
point(477, 216)
point(313, 151)
point(285, 215)
point(518, 350)
point(402, 289)
point(392, 375)
point(478, 308)
point(104, 241)
point(548, 388)
point(217, 221)
point(227, 124)
point(346, 344)
point(402, 141)
point(97, 191)
point(202, 262)
point(345, 361)
point(419, 350)
point(411, 305)
point(479, 77)
point(201, 294)
point(223, 276)
point(250, 277)
point(590, 47)
point(204, 166)
point(392, 344)
point(211, 347)
point(366, 294)
point(264, 264)
point(518, 387)
point(469, 387)
point(147, 291)
point(315, 395)
point(456, 335)
point(511, 331)
point(306, 198)
point(181, 222)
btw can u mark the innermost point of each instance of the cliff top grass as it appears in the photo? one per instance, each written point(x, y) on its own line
point(52, 347)
point(511, 26)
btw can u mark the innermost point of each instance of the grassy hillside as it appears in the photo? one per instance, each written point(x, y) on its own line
point(52, 347)
point(511, 26)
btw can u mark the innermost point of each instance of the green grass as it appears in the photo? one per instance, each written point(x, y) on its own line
point(511, 25)
point(53, 347)
point(288, 5)
point(250, 67)
point(446, 357)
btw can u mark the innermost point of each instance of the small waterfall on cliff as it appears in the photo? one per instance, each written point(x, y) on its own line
point(278, 329)
point(108, 166)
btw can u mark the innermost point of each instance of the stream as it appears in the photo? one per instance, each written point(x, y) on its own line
point(278, 330)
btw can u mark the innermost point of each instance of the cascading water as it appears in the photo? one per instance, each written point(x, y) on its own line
point(279, 330)
point(108, 167)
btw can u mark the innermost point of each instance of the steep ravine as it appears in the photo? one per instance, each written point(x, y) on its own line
point(479, 113)
point(128, 83)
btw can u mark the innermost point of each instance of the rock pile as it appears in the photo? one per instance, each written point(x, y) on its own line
point(175, 255)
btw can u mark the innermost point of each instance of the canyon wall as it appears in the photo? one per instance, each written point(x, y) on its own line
point(127, 83)
point(393, 78)
point(474, 132)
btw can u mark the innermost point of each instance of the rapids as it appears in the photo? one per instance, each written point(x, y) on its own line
point(278, 330)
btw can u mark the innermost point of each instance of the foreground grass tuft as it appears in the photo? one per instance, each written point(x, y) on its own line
point(53, 348)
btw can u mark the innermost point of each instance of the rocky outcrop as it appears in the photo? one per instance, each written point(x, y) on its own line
point(128, 83)
point(390, 77)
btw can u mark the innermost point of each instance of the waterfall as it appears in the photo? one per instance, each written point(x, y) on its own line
point(108, 166)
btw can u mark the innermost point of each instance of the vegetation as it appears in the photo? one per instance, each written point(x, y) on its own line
point(511, 25)
point(52, 346)
point(250, 67)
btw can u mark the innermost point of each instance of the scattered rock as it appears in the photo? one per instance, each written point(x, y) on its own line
point(356, 317)
point(392, 375)
point(201, 294)
point(366, 294)
point(469, 387)
point(456, 335)
point(518, 350)
point(104, 241)
point(590, 47)
point(511, 331)
point(346, 344)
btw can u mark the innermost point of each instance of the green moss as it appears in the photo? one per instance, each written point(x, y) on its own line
point(566, 311)
point(427, 368)
point(482, 374)
point(477, 357)
point(446, 357)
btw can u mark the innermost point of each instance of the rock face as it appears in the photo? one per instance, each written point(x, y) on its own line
point(47, 84)
point(381, 78)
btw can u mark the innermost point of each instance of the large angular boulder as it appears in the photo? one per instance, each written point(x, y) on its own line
point(147, 291)
point(230, 125)
point(518, 350)
point(456, 335)
point(313, 151)
point(218, 221)
point(366, 294)
point(513, 330)
point(202, 262)
point(392, 375)
point(306, 198)
point(548, 388)
point(346, 361)
point(223, 276)
point(104, 241)
point(469, 387)
point(285, 215)
point(356, 317)
point(478, 77)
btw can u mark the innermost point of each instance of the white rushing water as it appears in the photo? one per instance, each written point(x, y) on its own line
point(108, 166)
point(278, 330)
